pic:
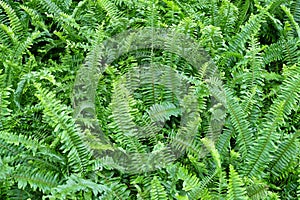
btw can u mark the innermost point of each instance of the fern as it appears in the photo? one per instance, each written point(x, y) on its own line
point(236, 188)
point(284, 155)
point(110, 8)
point(15, 22)
point(282, 107)
point(65, 129)
point(257, 190)
point(162, 112)
point(150, 125)
point(157, 190)
point(75, 184)
point(291, 18)
point(241, 125)
point(37, 178)
point(5, 111)
point(252, 26)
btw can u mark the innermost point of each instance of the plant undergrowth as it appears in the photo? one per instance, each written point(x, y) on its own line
point(255, 45)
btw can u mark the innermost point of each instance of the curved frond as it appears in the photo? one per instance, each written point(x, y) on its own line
point(58, 116)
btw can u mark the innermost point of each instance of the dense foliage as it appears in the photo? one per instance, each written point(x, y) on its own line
point(254, 43)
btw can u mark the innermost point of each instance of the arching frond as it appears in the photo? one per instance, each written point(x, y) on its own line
point(58, 116)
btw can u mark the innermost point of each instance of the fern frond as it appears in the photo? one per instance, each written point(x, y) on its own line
point(236, 189)
point(26, 142)
point(58, 116)
point(157, 190)
point(50, 6)
point(5, 111)
point(240, 123)
point(243, 12)
point(117, 190)
point(259, 156)
point(291, 18)
point(295, 10)
point(26, 44)
point(163, 112)
point(257, 190)
point(122, 111)
point(15, 193)
point(286, 152)
point(14, 20)
point(5, 170)
point(184, 140)
point(237, 44)
point(224, 141)
point(37, 178)
point(192, 185)
point(76, 184)
point(110, 8)
point(8, 36)
point(273, 52)
point(227, 17)
point(36, 18)
point(291, 50)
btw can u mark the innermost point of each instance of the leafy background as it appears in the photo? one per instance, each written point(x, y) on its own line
point(254, 43)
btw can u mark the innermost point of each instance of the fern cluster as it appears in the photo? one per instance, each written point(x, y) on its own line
point(142, 134)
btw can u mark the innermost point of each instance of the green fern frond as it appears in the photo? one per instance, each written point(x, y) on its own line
point(58, 116)
point(117, 190)
point(298, 188)
point(273, 52)
point(163, 112)
point(274, 5)
point(122, 109)
point(50, 6)
point(224, 141)
point(192, 185)
point(23, 46)
point(10, 151)
point(157, 190)
point(259, 156)
point(43, 180)
point(5, 170)
point(251, 105)
point(284, 155)
point(65, 21)
point(26, 142)
point(110, 8)
point(190, 182)
point(240, 123)
point(291, 18)
point(184, 140)
point(67, 3)
point(73, 186)
point(252, 27)
point(243, 12)
point(257, 190)
point(5, 111)
point(236, 189)
point(15, 193)
point(227, 17)
point(14, 20)
point(284, 50)
point(8, 36)
point(295, 10)
point(291, 51)
point(36, 18)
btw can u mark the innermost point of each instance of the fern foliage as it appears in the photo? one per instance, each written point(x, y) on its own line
point(193, 100)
